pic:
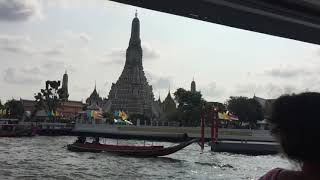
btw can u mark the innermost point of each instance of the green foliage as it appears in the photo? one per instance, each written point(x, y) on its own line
point(15, 108)
point(109, 117)
point(1, 105)
point(48, 98)
point(247, 109)
point(189, 107)
point(84, 107)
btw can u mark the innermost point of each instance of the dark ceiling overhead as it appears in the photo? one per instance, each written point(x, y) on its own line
point(294, 19)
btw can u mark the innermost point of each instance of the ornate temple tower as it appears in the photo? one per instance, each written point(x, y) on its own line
point(64, 94)
point(131, 92)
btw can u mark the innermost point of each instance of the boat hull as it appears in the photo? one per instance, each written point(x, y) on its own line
point(137, 151)
point(249, 148)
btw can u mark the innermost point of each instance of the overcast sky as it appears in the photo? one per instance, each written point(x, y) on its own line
point(40, 39)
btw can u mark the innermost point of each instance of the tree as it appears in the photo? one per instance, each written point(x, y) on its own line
point(48, 99)
point(1, 105)
point(247, 109)
point(15, 108)
point(109, 117)
point(189, 107)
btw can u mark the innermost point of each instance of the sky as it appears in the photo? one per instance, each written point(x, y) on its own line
point(41, 39)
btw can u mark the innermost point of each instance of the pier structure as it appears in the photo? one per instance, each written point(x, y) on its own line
point(169, 133)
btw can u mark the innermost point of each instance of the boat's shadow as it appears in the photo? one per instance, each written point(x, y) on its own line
point(165, 160)
point(152, 159)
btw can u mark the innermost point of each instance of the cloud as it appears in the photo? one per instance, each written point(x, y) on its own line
point(31, 70)
point(73, 3)
point(78, 36)
point(289, 71)
point(80, 89)
point(24, 45)
point(54, 51)
point(115, 56)
point(20, 10)
point(16, 44)
point(149, 52)
point(158, 82)
point(12, 76)
point(53, 66)
point(211, 90)
point(162, 83)
point(267, 90)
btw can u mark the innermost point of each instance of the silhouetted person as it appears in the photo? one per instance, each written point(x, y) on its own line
point(96, 140)
point(81, 139)
point(296, 125)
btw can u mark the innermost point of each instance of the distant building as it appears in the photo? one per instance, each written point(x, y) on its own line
point(68, 109)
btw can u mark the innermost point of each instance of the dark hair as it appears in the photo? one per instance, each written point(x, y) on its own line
point(295, 121)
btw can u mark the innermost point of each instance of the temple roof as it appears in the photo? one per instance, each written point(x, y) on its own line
point(169, 99)
point(159, 100)
point(94, 95)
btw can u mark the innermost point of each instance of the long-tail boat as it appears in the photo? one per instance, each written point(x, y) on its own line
point(128, 150)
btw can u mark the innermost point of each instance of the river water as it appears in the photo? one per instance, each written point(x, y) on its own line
point(44, 157)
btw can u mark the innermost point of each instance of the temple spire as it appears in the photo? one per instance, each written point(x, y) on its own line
point(135, 31)
point(193, 86)
point(95, 84)
point(64, 89)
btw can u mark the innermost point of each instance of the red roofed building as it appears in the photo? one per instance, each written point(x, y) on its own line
point(67, 109)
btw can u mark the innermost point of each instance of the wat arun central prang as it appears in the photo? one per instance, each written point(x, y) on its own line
point(131, 92)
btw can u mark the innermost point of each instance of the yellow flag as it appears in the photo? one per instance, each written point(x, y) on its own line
point(124, 116)
point(220, 115)
point(223, 116)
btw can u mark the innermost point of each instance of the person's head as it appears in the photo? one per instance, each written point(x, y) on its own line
point(295, 121)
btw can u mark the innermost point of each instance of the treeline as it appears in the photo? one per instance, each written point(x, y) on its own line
point(190, 105)
point(11, 109)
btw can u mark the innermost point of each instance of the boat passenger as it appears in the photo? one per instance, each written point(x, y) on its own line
point(81, 140)
point(295, 124)
point(96, 140)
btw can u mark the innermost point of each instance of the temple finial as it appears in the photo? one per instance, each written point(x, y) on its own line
point(136, 14)
point(65, 71)
point(95, 84)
